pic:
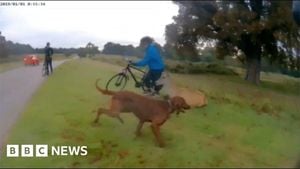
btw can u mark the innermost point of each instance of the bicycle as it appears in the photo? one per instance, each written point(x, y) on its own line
point(44, 69)
point(119, 81)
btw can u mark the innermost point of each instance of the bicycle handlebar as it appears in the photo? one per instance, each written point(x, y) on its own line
point(128, 60)
point(134, 67)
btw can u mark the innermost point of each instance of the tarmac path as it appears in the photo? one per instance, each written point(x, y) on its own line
point(16, 88)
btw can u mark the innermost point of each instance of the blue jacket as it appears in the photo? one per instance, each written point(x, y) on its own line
point(152, 58)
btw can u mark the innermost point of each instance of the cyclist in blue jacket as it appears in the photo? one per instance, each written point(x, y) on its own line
point(153, 60)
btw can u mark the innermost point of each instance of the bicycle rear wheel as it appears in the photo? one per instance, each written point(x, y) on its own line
point(117, 82)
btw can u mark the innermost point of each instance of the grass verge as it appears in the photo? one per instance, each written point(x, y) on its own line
point(242, 126)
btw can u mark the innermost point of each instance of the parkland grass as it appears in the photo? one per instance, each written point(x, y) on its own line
point(243, 125)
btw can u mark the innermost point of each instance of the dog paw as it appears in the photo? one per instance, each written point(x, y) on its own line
point(161, 145)
point(138, 134)
point(95, 124)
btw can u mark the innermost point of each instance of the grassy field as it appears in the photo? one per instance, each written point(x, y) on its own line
point(10, 63)
point(242, 126)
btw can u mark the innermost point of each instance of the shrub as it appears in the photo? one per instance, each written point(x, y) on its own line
point(198, 68)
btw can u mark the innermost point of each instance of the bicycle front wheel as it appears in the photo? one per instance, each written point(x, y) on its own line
point(44, 71)
point(117, 82)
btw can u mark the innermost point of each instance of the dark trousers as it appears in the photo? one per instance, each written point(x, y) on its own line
point(48, 64)
point(151, 77)
point(297, 17)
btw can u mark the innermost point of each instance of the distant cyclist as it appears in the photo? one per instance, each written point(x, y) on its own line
point(154, 61)
point(48, 58)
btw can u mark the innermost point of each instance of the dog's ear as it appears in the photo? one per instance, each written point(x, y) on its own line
point(175, 103)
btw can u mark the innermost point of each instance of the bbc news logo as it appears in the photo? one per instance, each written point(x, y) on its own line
point(43, 150)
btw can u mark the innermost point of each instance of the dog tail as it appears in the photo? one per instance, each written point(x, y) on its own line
point(106, 92)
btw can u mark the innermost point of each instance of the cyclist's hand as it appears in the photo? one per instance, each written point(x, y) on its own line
point(128, 60)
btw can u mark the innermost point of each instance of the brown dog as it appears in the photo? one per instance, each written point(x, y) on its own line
point(146, 109)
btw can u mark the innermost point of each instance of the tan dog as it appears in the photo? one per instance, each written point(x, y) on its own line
point(193, 97)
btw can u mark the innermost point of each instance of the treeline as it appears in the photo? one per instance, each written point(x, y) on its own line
point(66, 51)
point(130, 50)
point(17, 48)
point(124, 50)
point(10, 48)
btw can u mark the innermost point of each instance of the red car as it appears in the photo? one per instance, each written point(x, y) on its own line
point(31, 60)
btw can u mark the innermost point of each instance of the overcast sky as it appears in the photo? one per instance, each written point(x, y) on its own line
point(74, 24)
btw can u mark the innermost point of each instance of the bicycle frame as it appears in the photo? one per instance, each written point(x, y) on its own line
point(128, 69)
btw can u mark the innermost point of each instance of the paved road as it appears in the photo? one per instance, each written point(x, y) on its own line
point(16, 89)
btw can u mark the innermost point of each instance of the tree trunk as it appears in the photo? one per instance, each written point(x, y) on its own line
point(253, 70)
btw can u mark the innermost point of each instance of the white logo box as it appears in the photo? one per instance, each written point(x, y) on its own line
point(26, 150)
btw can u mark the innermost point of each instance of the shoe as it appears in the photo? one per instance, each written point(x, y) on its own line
point(157, 88)
point(147, 92)
point(155, 93)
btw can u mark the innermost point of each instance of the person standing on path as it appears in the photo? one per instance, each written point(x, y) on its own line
point(48, 58)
